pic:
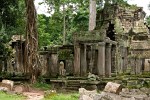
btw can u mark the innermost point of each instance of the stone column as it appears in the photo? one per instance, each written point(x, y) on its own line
point(83, 61)
point(113, 59)
point(138, 66)
point(76, 60)
point(101, 59)
point(108, 60)
point(133, 65)
point(53, 65)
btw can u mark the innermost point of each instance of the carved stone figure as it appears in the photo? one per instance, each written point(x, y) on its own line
point(62, 71)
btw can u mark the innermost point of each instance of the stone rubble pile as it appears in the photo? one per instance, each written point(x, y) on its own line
point(114, 91)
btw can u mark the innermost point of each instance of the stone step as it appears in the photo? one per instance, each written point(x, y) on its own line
point(74, 82)
point(77, 78)
point(72, 88)
point(73, 85)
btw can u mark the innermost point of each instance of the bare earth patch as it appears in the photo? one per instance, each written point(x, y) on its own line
point(33, 95)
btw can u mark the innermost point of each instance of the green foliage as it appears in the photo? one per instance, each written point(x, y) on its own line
point(76, 19)
point(5, 51)
point(73, 96)
point(12, 16)
point(65, 54)
point(12, 21)
point(51, 28)
point(118, 27)
point(148, 20)
point(43, 29)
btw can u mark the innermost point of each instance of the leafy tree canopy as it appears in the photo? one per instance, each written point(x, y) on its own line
point(11, 22)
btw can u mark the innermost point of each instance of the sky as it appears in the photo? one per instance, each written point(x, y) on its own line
point(42, 9)
point(141, 3)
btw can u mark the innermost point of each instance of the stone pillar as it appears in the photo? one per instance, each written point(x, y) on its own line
point(113, 59)
point(133, 65)
point(138, 66)
point(76, 60)
point(146, 65)
point(101, 59)
point(53, 65)
point(83, 61)
point(108, 60)
point(121, 60)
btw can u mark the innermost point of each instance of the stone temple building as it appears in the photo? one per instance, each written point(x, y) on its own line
point(119, 44)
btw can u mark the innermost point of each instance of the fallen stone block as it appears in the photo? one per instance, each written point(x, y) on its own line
point(4, 89)
point(20, 88)
point(85, 97)
point(9, 82)
point(3, 85)
point(113, 88)
point(84, 91)
point(91, 94)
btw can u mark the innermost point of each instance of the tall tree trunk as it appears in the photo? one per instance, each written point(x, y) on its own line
point(31, 54)
point(92, 16)
point(64, 25)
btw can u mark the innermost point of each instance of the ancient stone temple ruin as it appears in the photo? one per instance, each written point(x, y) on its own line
point(119, 44)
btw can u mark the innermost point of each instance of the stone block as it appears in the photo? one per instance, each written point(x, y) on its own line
point(21, 88)
point(8, 82)
point(5, 89)
point(91, 94)
point(113, 88)
point(4, 86)
point(85, 97)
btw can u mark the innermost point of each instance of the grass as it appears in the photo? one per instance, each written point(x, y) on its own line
point(42, 86)
point(55, 96)
point(72, 96)
point(6, 96)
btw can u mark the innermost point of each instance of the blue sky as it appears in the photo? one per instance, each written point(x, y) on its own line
point(42, 9)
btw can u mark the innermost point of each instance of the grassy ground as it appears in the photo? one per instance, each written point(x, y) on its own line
point(5, 96)
point(44, 87)
point(71, 96)
point(57, 96)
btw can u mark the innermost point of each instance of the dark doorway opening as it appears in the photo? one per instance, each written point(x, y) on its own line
point(110, 32)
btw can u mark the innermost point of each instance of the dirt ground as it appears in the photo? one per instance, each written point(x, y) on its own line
point(33, 94)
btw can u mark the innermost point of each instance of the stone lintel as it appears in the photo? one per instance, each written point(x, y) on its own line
point(101, 43)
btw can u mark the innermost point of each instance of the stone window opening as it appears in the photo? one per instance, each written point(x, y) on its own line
point(110, 32)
